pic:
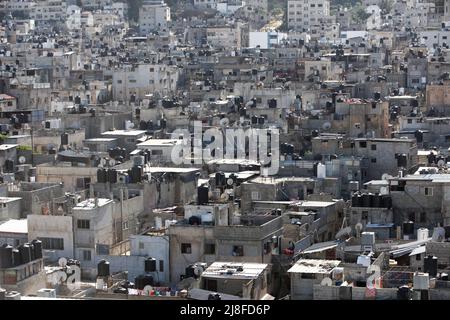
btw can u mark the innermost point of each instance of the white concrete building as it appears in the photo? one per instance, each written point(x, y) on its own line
point(144, 79)
point(154, 245)
point(24, 6)
point(266, 40)
point(304, 13)
point(153, 16)
point(49, 10)
point(56, 234)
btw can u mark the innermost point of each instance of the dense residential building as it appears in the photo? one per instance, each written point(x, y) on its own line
point(224, 150)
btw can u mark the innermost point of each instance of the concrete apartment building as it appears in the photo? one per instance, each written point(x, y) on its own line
point(301, 14)
point(144, 79)
point(220, 236)
point(154, 15)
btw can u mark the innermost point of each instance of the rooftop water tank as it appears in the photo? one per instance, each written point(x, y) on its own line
point(422, 234)
point(421, 281)
point(321, 171)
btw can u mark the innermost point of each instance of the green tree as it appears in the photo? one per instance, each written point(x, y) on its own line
point(359, 14)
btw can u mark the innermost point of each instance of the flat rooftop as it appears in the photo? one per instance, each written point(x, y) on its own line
point(160, 143)
point(4, 147)
point(228, 270)
point(14, 226)
point(100, 140)
point(170, 170)
point(314, 266)
point(90, 203)
point(125, 133)
point(9, 199)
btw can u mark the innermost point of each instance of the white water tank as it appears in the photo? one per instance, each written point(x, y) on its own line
point(421, 281)
point(168, 223)
point(158, 223)
point(321, 171)
point(422, 234)
point(338, 274)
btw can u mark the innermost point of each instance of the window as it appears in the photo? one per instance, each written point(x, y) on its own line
point(428, 191)
point(308, 276)
point(238, 251)
point(373, 147)
point(186, 248)
point(125, 225)
point(141, 245)
point(52, 243)
point(210, 248)
point(161, 265)
point(157, 152)
point(365, 215)
point(87, 255)
point(83, 224)
point(418, 257)
point(373, 160)
point(423, 217)
point(255, 195)
point(363, 144)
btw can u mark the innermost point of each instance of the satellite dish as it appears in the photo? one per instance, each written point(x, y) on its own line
point(224, 122)
point(326, 126)
point(147, 289)
point(326, 282)
point(441, 163)
point(22, 159)
point(345, 232)
point(198, 271)
point(224, 196)
point(102, 162)
point(230, 181)
point(386, 176)
point(112, 162)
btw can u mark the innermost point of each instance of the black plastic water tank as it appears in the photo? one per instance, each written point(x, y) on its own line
point(402, 160)
point(32, 253)
point(17, 259)
point(190, 272)
point(150, 265)
point(404, 293)
point(37, 248)
point(377, 96)
point(112, 175)
point(194, 220)
point(366, 198)
point(419, 136)
point(408, 228)
point(6, 256)
point(315, 133)
point(103, 268)
point(273, 103)
point(25, 253)
point(376, 201)
point(355, 200)
point(64, 139)
point(202, 197)
point(220, 179)
point(386, 201)
point(430, 265)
